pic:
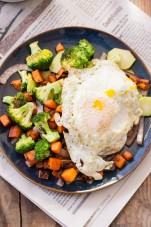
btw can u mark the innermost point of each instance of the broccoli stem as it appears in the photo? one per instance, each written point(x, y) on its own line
point(8, 99)
point(23, 75)
point(34, 48)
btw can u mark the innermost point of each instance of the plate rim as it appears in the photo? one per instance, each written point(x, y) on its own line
point(109, 183)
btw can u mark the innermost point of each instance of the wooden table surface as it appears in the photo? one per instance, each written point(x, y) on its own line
point(18, 211)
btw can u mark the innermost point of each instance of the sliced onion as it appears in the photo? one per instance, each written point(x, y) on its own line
point(37, 129)
point(132, 135)
point(11, 70)
point(58, 119)
point(64, 154)
point(103, 56)
point(90, 181)
point(14, 140)
point(140, 134)
point(60, 182)
point(39, 107)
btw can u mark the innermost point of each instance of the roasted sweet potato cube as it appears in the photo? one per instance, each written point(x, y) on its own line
point(54, 163)
point(69, 175)
point(119, 161)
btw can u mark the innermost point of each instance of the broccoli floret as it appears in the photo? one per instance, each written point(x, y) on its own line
point(28, 84)
point(57, 98)
point(22, 115)
point(48, 91)
point(89, 48)
point(24, 77)
point(24, 144)
point(41, 122)
point(17, 101)
point(42, 150)
point(39, 59)
point(77, 56)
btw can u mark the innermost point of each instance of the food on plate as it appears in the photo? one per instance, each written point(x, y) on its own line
point(24, 144)
point(41, 122)
point(145, 103)
point(123, 58)
point(73, 114)
point(56, 64)
point(78, 56)
point(42, 150)
point(99, 107)
point(49, 91)
point(39, 59)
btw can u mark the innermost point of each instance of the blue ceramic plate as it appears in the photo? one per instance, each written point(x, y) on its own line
point(102, 42)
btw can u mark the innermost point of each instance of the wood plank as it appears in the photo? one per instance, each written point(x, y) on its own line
point(9, 205)
point(137, 212)
point(144, 5)
point(32, 216)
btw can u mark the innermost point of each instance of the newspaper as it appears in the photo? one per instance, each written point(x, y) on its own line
point(116, 17)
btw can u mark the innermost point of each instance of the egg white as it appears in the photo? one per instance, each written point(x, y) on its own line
point(99, 107)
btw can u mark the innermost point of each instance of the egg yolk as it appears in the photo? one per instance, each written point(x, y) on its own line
point(133, 87)
point(98, 105)
point(110, 93)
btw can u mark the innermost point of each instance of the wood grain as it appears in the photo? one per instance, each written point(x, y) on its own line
point(9, 205)
point(145, 5)
point(32, 216)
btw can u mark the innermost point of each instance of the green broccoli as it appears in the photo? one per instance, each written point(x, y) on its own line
point(39, 59)
point(77, 56)
point(41, 122)
point(28, 84)
point(88, 47)
point(17, 101)
point(22, 115)
point(42, 150)
point(8, 99)
point(24, 77)
point(48, 91)
point(31, 84)
point(24, 144)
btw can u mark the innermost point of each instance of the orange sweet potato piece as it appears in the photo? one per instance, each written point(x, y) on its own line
point(59, 47)
point(59, 109)
point(143, 86)
point(28, 97)
point(37, 76)
point(60, 129)
point(54, 163)
point(14, 131)
point(30, 158)
point(52, 124)
point(5, 120)
point(69, 175)
point(56, 147)
point(33, 134)
point(16, 84)
point(119, 161)
point(52, 78)
point(51, 104)
point(127, 155)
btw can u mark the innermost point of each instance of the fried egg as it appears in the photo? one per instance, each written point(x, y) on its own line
point(99, 106)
